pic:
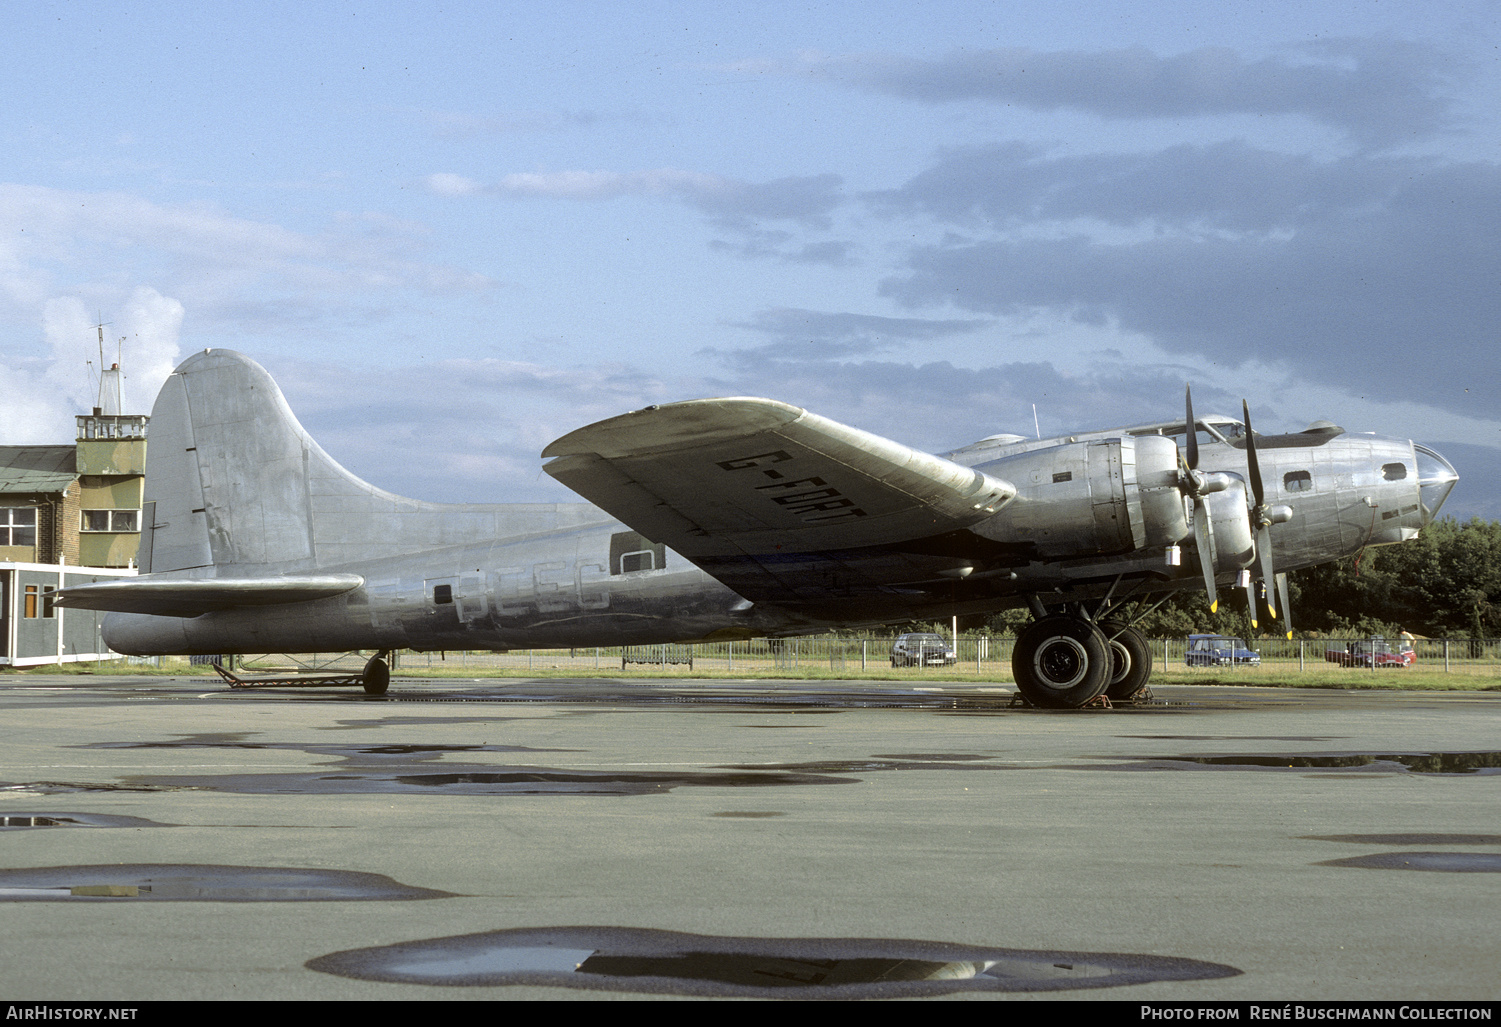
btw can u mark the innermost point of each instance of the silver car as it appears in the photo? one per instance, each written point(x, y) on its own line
point(922, 649)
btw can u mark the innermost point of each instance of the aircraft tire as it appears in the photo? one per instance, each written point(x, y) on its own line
point(1061, 662)
point(1131, 660)
point(377, 676)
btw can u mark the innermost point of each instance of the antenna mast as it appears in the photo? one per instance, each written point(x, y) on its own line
point(111, 393)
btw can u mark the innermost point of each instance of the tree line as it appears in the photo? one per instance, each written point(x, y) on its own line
point(1444, 584)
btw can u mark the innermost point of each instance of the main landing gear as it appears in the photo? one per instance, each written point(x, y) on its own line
point(1065, 660)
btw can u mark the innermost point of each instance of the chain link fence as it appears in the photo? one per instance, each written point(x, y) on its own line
point(984, 658)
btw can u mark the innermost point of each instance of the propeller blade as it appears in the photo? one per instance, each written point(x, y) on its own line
point(1251, 602)
point(1262, 518)
point(1287, 607)
point(1204, 536)
point(1252, 463)
point(1192, 428)
point(1268, 574)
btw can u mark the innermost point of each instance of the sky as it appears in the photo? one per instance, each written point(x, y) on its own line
point(456, 231)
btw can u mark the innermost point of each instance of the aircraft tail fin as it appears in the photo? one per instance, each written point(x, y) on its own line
point(235, 487)
point(230, 479)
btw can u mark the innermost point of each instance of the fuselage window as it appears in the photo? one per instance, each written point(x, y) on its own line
point(1297, 481)
point(442, 594)
point(639, 561)
point(632, 551)
point(1393, 472)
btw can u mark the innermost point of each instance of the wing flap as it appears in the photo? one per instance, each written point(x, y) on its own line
point(736, 477)
point(190, 597)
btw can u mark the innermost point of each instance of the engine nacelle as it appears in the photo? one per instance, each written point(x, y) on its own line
point(1234, 540)
point(1102, 496)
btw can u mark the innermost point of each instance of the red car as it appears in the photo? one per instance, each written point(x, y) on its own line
point(1365, 651)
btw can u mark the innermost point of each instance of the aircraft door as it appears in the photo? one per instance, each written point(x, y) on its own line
point(438, 612)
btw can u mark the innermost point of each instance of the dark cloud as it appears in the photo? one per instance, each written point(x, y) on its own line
point(1351, 270)
point(809, 201)
point(1478, 493)
point(1377, 91)
point(1227, 186)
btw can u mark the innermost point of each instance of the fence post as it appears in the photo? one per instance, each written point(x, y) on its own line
point(1446, 656)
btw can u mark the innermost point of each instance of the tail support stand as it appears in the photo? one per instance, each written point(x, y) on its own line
point(375, 678)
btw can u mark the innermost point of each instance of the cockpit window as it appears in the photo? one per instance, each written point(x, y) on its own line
point(1393, 472)
point(1299, 481)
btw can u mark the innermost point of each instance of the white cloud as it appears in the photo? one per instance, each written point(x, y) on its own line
point(204, 252)
point(445, 184)
point(42, 395)
point(590, 185)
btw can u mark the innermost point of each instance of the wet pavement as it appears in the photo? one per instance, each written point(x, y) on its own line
point(168, 839)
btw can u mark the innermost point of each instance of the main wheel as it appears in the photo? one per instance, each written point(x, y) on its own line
point(1061, 662)
point(1131, 660)
point(377, 676)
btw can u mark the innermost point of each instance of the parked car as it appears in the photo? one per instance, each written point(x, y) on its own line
point(1363, 652)
point(1220, 651)
point(922, 650)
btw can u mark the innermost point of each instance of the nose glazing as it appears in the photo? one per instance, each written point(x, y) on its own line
point(1436, 478)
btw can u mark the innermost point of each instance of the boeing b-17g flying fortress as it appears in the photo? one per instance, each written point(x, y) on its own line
point(733, 518)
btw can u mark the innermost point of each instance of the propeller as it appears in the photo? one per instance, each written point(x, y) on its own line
point(1263, 516)
point(1197, 485)
point(1249, 548)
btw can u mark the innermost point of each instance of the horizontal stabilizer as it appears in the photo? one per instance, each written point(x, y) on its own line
point(190, 597)
point(730, 477)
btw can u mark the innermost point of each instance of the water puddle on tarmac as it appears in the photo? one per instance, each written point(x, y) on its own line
point(394, 768)
point(172, 882)
point(1397, 762)
point(668, 962)
point(11, 821)
point(1444, 862)
point(1408, 839)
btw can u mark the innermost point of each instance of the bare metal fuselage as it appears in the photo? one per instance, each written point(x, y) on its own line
point(1091, 514)
point(549, 590)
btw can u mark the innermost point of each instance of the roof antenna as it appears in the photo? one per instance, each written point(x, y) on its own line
point(100, 327)
point(1035, 426)
point(111, 394)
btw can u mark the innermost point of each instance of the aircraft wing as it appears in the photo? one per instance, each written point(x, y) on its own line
point(190, 597)
point(725, 481)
